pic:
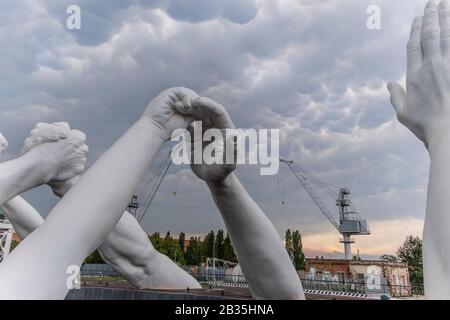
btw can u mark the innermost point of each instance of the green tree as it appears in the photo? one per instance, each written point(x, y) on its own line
point(297, 248)
point(228, 250)
point(94, 258)
point(288, 243)
point(181, 239)
point(14, 244)
point(157, 242)
point(172, 249)
point(194, 252)
point(219, 245)
point(176, 254)
point(388, 258)
point(411, 253)
point(168, 246)
point(208, 244)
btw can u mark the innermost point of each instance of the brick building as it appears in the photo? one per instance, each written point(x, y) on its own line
point(394, 275)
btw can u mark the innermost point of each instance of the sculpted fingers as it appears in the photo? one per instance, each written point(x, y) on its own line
point(208, 110)
point(414, 47)
point(398, 97)
point(52, 132)
point(431, 31)
point(444, 20)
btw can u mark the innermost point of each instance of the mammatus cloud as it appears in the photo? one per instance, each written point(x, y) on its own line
point(310, 68)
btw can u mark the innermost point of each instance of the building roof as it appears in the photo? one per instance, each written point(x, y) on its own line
point(356, 262)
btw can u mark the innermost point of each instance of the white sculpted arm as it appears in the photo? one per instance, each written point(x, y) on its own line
point(264, 261)
point(57, 158)
point(126, 248)
point(425, 110)
point(23, 223)
point(24, 218)
point(27, 218)
point(65, 154)
point(90, 210)
point(129, 251)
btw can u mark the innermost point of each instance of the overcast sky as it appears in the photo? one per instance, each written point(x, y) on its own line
point(310, 68)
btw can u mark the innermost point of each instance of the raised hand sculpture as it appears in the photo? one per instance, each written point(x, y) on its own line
point(93, 206)
point(425, 109)
point(65, 157)
point(58, 159)
point(264, 261)
point(127, 247)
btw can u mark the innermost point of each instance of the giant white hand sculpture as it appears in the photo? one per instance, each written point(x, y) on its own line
point(425, 110)
point(127, 247)
point(60, 158)
point(66, 163)
point(265, 263)
point(37, 269)
point(29, 219)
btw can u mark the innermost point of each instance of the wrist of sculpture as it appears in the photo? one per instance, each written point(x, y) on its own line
point(439, 143)
point(229, 182)
point(39, 169)
point(60, 188)
point(157, 129)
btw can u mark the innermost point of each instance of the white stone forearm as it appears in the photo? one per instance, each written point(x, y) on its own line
point(24, 218)
point(436, 238)
point(129, 251)
point(126, 248)
point(20, 175)
point(89, 210)
point(259, 249)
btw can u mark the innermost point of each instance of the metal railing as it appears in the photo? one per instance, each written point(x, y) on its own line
point(104, 273)
point(99, 272)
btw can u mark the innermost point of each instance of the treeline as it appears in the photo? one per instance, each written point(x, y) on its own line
point(214, 245)
point(197, 250)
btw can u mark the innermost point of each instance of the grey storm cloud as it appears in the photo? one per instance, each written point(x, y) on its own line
point(102, 18)
point(237, 11)
point(310, 68)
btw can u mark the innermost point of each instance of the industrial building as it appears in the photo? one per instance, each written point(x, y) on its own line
point(369, 275)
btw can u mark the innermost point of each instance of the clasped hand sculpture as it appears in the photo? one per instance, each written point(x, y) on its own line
point(88, 222)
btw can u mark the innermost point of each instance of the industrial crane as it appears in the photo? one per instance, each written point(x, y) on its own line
point(350, 223)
